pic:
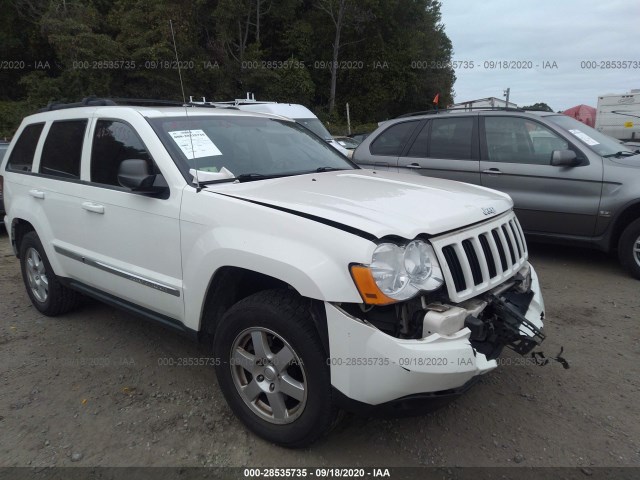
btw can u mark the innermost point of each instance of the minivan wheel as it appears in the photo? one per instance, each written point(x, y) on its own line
point(272, 368)
point(629, 248)
point(46, 292)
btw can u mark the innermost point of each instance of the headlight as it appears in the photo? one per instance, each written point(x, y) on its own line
point(400, 271)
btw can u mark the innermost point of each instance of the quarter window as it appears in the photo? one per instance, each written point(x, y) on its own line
point(21, 158)
point(62, 149)
point(519, 140)
point(114, 142)
point(391, 142)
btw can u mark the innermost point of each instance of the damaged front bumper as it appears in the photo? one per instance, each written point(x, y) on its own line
point(459, 343)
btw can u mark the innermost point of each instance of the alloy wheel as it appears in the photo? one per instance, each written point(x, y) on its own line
point(37, 275)
point(269, 375)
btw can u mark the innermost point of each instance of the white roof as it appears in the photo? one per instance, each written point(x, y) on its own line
point(149, 112)
point(290, 110)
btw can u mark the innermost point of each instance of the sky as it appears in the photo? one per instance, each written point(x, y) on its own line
point(537, 33)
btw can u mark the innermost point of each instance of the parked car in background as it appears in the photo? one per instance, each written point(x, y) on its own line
point(3, 150)
point(570, 183)
point(359, 137)
point(348, 143)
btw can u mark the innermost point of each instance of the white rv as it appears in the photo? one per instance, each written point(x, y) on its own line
point(619, 115)
point(299, 113)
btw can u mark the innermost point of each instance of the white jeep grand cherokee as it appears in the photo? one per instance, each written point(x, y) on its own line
point(318, 285)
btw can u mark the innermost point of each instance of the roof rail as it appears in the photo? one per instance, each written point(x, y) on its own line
point(459, 109)
point(93, 101)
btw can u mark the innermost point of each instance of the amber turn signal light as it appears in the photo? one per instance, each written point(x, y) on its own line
point(367, 287)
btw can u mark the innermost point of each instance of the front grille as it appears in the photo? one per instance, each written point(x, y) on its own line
point(477, 259)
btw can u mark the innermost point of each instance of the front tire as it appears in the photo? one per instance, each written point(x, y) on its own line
point(629, 248)
point(46, 292)
point(272, 368)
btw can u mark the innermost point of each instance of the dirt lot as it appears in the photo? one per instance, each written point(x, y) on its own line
point(88, 389)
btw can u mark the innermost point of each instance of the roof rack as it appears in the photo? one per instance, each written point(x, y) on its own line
point(459, 109)
point(93, 101)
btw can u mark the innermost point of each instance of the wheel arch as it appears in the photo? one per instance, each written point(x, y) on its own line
point(230, 284)
point(629, 214)
point(19, 228)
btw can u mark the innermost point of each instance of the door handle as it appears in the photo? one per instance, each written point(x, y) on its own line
point(412, 165)
point(492, 171)
point(93, 207)
point(36, 193)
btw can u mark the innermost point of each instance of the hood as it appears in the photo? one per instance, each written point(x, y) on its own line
point(379, 203)
point(631, 161)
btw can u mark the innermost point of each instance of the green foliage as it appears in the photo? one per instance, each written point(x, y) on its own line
point(11, 114)
point(539, 107)
point(277, 50)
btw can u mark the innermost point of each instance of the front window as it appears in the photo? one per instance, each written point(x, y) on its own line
point(598, 142)
point(520, 140)
point(246, 146)
point(114, 142)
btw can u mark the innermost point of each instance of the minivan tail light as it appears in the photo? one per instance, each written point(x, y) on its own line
point(1, 184)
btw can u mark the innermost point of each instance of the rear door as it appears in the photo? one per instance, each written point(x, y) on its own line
point(516, 159)
point(58, 190)
point(445, 148)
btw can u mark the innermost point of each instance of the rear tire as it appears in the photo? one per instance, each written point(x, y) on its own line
point(629, 248)
point(272, 368)
point(46, 292)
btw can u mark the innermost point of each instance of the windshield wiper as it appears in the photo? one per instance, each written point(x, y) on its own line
point(622, 153)
point(250, 177)
point(246, 177)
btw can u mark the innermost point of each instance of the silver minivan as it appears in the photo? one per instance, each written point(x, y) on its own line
point(570, 183)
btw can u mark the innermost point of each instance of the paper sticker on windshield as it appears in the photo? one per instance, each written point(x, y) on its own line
point(584, 137)
point(194, 143)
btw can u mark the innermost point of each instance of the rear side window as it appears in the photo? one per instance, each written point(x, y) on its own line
point(21, 158)
point(419, 147)
point(114, 142)
point(62, 149)
point(451, 138)
point(391, 142)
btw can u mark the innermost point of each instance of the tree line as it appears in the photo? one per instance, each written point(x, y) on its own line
point(383, 57)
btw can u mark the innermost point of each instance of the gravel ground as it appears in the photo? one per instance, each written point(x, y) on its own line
point(89, 389)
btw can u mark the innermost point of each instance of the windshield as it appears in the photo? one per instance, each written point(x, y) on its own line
point(249, 146)
point(598, 142)
point(316, 126)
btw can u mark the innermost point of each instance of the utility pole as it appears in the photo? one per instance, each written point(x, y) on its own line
point(506, 94)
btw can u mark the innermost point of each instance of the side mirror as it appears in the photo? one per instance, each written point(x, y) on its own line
point(134, 174)
point(564, 158)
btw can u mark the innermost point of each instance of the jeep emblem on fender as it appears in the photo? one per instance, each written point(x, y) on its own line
point(488, 211)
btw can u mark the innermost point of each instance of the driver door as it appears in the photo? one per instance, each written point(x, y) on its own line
point(516, 159)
